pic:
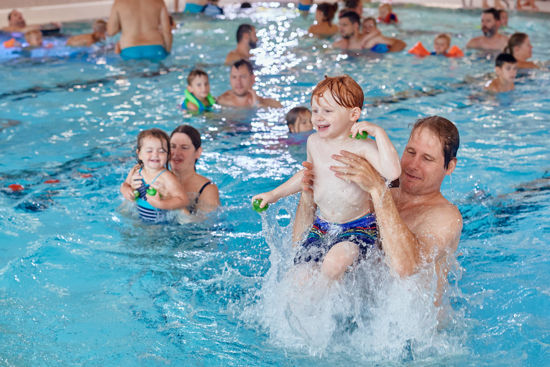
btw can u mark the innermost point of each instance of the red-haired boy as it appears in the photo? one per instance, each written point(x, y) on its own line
point(345, 227)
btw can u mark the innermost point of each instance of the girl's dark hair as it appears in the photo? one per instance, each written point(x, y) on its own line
point(153, 133)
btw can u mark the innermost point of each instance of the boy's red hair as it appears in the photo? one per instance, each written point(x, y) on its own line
point(345, 91)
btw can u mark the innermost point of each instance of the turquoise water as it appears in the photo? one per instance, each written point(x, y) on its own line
point(82, 282)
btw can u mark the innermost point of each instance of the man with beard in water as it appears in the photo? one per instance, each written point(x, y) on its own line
point(418, 227)
point(241, 94)
point(246, 40)
point(491, 39)
point(352, 39)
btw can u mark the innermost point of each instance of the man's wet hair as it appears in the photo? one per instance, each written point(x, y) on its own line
point(242, 30)
point(345, 91)
point(246, 63)
point(293, 114)
point(495, 12)
point(447, 133)
point(503, 59)
point(195, 73)
point(352, 16)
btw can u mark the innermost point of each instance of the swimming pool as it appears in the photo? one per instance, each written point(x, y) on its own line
point(83, 283)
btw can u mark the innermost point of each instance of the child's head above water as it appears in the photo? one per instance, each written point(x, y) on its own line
point(153, 149)
point(345, 91)
point(505, 67)
point(442, 42)
point(198, 84)
point(34, 38)
point(298, 120)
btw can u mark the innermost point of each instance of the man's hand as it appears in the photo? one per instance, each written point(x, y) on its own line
point(359, 171)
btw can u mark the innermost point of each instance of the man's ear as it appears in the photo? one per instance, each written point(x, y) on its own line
point(451, 167)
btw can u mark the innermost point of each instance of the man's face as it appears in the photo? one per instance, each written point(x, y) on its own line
point(241, 80)
point(252, 38)
point(422, 163)
point(347, 28)
point(489, 25)
point(16, 19)
point(507, 72)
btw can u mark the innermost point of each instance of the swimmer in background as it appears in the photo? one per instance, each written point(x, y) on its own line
point(386, 15)
point(324, 15)
point(345, 228)
point(352, 5)
point(241, 94)
point(442, 47)
point(246, 41)
point(491, 39)
point(17, 23)
point(144, 26)
point(34, 39)
point(197, 95)
point(506, 70)
point(520, 47)
point(530, 3)
point(503, 14)
point(304, 6)
point(155, 189)
point(86, 40)
point(352, 39)
point(375, 41)
point(298, 120)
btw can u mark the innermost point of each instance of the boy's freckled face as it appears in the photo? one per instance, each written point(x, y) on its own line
point(507, 72)
point(200, 87)
point(329, 118)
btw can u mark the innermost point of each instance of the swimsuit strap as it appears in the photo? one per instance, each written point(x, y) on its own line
point(193, 207)
point(202, 188)
point(157, 176)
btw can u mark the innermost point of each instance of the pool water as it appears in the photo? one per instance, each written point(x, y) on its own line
point(82, 282)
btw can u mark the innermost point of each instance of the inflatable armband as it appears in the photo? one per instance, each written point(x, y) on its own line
point(419, 50)
point(454, 51)
point(10, 43)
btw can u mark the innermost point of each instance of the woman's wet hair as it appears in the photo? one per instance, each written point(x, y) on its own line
point(156, 134)
point(447, 133)
point(328, 10)
point(515, 40)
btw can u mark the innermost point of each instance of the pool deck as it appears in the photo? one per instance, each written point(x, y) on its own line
point(44, 11)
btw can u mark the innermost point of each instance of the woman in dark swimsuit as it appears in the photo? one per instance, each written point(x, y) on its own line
point(185, 150)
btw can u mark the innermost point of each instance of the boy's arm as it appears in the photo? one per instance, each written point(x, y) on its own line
point(290, 187)
point(385, 158)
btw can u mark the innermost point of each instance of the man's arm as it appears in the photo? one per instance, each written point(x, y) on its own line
point(269, 102)
point(405, 250)
point(113, 24)
point(473, 43)
point(165, 28)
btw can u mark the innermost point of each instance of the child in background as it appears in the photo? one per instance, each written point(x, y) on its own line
point(385, 14)
point(442, 47)
point(197, 95)
point(345, 228)
point(155, 189)
point(34, 38)
point(298, 120)
point(506, 70)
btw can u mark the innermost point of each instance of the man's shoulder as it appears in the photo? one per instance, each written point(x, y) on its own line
point(225, 96)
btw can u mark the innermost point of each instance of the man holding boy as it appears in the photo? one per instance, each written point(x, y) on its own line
point(145, 27)
point(246, 40)
point(491, 39)
point(417, 225)
point(241, 94)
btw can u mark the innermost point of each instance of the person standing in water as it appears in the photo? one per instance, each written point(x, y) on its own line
point(145, 29)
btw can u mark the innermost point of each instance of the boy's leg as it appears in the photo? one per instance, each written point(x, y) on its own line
point(339, 258)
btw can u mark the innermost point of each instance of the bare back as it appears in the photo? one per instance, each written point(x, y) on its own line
point(338, 201)
point(142, 22)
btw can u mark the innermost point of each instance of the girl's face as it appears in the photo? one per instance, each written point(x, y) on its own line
point(183, 152)
point(153, 153)
point(524, 51)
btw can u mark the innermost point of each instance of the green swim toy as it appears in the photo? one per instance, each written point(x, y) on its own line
point(151, 191)
point(256, 206)
point(136, 194)
point(363, 135)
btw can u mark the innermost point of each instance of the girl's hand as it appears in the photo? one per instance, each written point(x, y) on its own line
point(137, 180)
